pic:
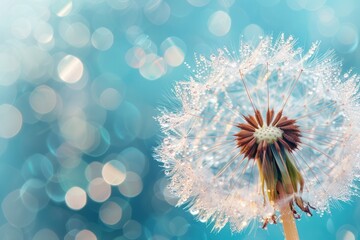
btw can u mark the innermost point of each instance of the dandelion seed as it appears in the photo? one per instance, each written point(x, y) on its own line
point(291, 113)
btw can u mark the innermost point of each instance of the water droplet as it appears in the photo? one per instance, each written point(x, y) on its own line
point(194, 211)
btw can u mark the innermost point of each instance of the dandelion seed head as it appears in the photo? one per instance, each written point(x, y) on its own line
point(249, 123)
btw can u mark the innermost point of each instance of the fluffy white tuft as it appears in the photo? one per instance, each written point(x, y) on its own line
point(199, 141)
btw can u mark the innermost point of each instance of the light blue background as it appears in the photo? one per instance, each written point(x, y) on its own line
point(129, 124)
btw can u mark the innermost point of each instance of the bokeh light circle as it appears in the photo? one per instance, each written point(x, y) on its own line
point(43, 99)
point(174, 56)
point(174, 51)
point(80, 134)
point(10, 68)
point(132, 186)
point(37, 166)
point(102, 39)
point(108, 90)
point(219, 23)
point(178, 226)
point(43, 32)
point(36, 188)
point(15, 211)
point(54, 190)
point(93, 170)
point(21, 28)
point(76, 34)
point(75, 198)
point(110, 213)
point(133, 33)
point(99, 190)
point(67, 156)
point(157, 12)
point(99, 140)
point(45, 234)
point(70, 69)
point(252, 32)
point(110, 99)
point(346, 232)
point(9, 232)
point(135, 57)
point(327, 22)
point(346, 39)
point(114, 172)
point(153, 68)
point(85, 235)
point(10, 121)
point(134, 160)
point(132, 229)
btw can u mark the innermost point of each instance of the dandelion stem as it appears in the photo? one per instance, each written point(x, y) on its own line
point(287, 218)
point(289, 225)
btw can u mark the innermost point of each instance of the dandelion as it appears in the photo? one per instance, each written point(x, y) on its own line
point(268, 133)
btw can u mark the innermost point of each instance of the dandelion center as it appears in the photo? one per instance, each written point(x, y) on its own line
point(269, 134)
point(257, 135)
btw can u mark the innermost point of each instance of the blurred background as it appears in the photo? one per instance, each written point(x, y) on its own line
point(80, 84)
